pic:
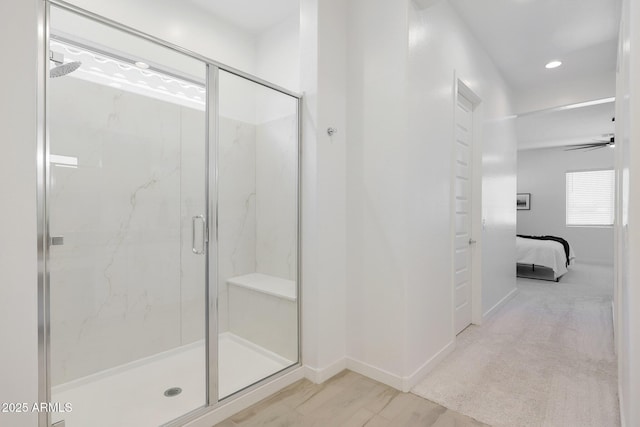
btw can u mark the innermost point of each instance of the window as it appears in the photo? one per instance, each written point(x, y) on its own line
point(590, 197)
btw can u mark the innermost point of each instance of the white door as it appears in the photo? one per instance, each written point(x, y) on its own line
point(462, 256)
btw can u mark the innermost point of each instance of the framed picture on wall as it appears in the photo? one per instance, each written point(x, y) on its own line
point(523, 201)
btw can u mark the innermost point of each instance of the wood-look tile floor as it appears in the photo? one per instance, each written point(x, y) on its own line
point(346, 400)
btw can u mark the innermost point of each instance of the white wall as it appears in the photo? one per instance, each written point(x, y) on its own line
point(627, 270)
point(440, 37)
point(278, 53)
point(18, 232)
point(323, 81)
point(542, 173)
point(401, 91)
point(376, 179)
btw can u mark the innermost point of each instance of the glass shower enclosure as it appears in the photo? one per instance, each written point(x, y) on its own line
point(172, 226)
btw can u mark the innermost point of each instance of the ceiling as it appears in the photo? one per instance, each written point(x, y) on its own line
point(253, 16)
point(522, 36)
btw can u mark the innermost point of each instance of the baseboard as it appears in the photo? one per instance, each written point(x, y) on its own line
point(318, 376)
point(380, 375)
point(227, 410)
point(500, 303)
point(412, 380)
point(398, 382)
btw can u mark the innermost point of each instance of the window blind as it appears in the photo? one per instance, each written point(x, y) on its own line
point(590, 197)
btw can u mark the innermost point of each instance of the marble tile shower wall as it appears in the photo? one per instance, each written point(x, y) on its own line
point(257, 203)
point(126, 285)
point(192, 189)
point(115, 282)
point(236, 207)
point(276, 201)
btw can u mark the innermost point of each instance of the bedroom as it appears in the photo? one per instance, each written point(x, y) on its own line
point(565, 173)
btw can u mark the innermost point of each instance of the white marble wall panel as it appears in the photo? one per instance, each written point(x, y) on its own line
point(236, 207)
point(193, 198)
point(126, 285)
point(116, 282)
point(276, 197)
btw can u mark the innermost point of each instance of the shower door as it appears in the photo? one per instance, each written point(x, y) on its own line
point(172, 212)
point(127, 206)
point(257, 245)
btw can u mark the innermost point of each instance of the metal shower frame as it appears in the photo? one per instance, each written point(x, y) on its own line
point(43, 186)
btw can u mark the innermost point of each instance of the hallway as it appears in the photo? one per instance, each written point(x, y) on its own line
point(545, 359)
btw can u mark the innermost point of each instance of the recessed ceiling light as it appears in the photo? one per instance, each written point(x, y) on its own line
point(142, 65)
point(553, 64)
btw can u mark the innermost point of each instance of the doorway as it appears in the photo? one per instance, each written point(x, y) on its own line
point(465, 281)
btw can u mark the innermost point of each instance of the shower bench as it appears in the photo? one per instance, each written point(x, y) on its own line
point(263, 310)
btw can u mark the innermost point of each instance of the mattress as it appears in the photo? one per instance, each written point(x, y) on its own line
point(546, 253)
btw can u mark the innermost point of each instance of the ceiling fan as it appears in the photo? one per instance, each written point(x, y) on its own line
point(609, 141)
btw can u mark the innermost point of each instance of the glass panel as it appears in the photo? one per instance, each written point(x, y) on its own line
point(127, 188)
point(257, 234)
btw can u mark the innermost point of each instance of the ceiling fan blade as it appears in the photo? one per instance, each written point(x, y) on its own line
point(587, 146)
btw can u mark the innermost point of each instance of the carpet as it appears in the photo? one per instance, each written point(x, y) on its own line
point(545, 359)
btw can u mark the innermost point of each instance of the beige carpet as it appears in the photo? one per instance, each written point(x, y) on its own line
point(545, 359)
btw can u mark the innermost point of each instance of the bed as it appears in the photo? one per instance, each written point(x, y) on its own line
point(546, 252)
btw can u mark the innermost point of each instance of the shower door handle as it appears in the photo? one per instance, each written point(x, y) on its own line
point(193, 235)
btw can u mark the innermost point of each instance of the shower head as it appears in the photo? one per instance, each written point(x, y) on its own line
point(64, 69)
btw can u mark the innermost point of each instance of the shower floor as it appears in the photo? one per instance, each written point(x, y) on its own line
point(133, 395)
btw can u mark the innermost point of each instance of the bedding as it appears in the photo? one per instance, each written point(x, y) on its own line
point(548, 253)
point(564, 243)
